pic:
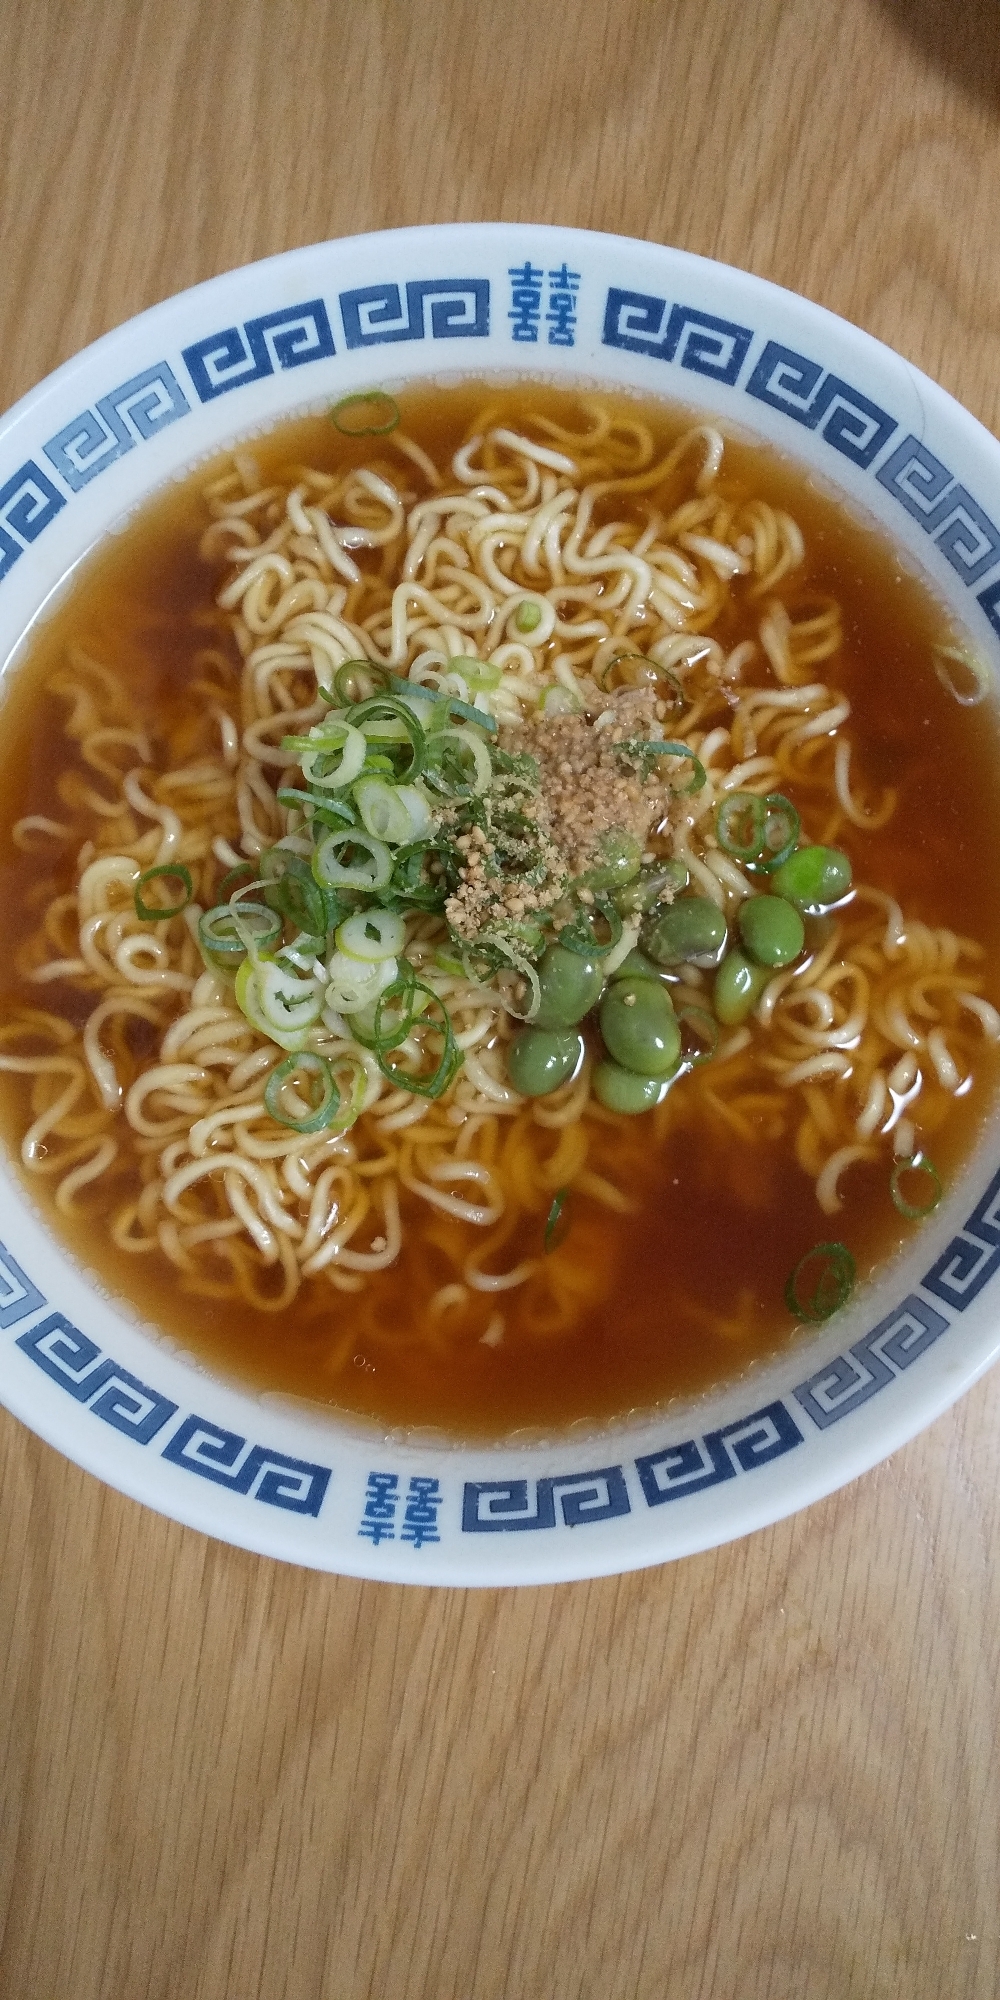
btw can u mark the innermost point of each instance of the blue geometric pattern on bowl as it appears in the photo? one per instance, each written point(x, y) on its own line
point(412, 1508)
point(682, 334)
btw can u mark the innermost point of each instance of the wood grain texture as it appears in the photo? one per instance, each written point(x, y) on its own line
point(770, 1773)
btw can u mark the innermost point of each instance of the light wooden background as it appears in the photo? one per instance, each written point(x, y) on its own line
point(765, 1774)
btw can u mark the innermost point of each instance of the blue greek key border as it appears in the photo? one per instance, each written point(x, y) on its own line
point(510, 1505)
point(400, 310)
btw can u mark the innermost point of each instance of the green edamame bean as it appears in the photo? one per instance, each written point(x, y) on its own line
point(621, 1089)
point(651, 883)
point(635, 966)
point(813, 877)
point(570, 985)
point(640, 1028)
point(619, 864)
point(738, 987)
point(691, 930)
point(772, 930)
point(540, 1059)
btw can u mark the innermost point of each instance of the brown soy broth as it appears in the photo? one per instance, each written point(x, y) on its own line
point(719, 1222)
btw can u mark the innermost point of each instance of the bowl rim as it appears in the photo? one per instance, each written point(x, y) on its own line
point(831, 1459)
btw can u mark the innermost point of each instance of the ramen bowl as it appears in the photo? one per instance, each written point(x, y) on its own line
point(226, 361)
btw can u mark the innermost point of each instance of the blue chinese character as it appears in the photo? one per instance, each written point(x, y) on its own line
point(379, 1519)
point(561, 316)
point(420, 1519)
point(526, 300)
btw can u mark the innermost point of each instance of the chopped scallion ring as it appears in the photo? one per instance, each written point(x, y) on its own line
point(448, 705)
point(352, 860)
point(917, 1164)
point(331, 756)
point(384, 812)
point(647, 747)
point(782, 827)
point(475, 673)
point(739, 825)
point(368, 413)
point(176, 873)
point(409, 882)
point(384, 721)
point(294, 1072)
point(458, 763)
point(558, 700)
point(289, 888)
point(234, 875)
point(594, 930)
point(557, 1222)
point(354, 984)
point(821, 1282)
point(372, 935)
point(408, 989)
point(345, 680)
point(316, 807)
point(222, 931)
point(647, 669)
point(281, 1006)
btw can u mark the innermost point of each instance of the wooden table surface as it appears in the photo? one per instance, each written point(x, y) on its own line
point(768, 1773)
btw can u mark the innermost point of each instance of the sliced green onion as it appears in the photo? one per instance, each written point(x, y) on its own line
point(177, 873)
point(653, 672)
point(361, 1021)
point(918, 1163)
point(345, 680)
point(449, 753)
point(446, 961)
point(582, 935)
point(448, 705)
point(405, 688)
point(303, 1065)
point(383, 812)
point(384, 720)
point(352, 860)
point(622, 659)
point(223, 943)
point(302, 954)
point(395, 1011)
point(283, 1008)
point(368, 413)
point(782, 827)
point(418, 808)
point(451, 1058)
point(290, 888)
point(355, 983)
point(559, 700)
point(332, 755)
point(507, 957)
point(648, 747)
point(315, 808)
point(557, 1222)
point(230, 879)
point(821, 1282)
point(739, 825)
point(372, 935)
point(475, 673)
point(409, 882)
point(528, 616)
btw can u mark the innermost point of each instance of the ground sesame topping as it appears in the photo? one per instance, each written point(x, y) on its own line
point(564, 784)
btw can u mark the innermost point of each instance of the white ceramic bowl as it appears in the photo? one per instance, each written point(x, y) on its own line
point(227, 359)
